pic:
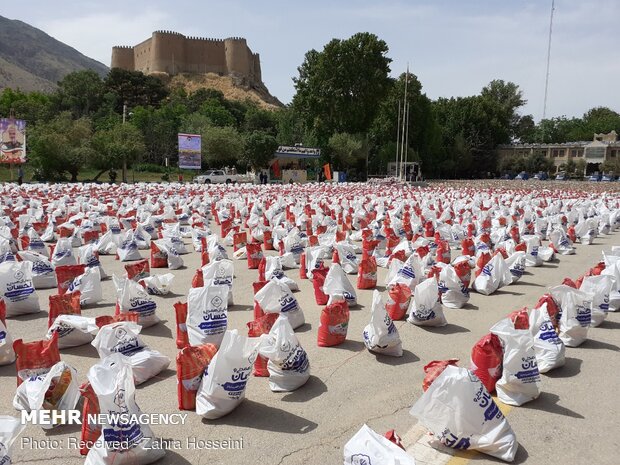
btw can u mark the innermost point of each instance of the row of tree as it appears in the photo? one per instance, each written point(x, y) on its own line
point(346, 103)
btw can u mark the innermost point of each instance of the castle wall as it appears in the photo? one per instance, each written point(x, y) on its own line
point(172, 53)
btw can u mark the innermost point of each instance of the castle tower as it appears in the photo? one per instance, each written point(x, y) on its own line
point(237, 56)
point(167, 52)
point(122, 57)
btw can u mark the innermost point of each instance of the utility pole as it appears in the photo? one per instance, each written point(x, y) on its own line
point(124, 156)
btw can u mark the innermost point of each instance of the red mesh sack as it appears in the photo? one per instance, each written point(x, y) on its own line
point(65, 275)
point(486, 360)
point(254, 252)
point(67, 304)
point(138, 270)
point(35, 356)
point(191, 365)
point(198, 279)
point(367, 273)
point(90, 431)
point(520, 318)
point(333, 324)
point(180, 313)
point(159, 259)
point(398, 300)
point(256, 328)
point(434, 369)
point(318, 279)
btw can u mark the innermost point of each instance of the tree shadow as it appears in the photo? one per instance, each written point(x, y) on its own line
point(251, 414)
point(97, 306)
point(314, 387)
point(447, 329)
point(571, 368)
point(548, 402)
point(593, 344)
point(408, 357)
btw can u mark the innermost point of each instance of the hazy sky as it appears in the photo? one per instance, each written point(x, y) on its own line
point(455, 47)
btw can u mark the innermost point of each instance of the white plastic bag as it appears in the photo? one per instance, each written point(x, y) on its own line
point(31, 394)
point(314, 258)
point(288, 365)
point(425, 308)
point(380, 335)
point(172, 253)
point(132, 297)
point(337, 284)
point(600, 288)
point(159, 284)
point(106, 244)
point(221, 272)
point(222, 387)
point(461, 414)
point(454, 294)
point(17, 289)
point(122, 443)
point(63, 253)
point(89, 256)
point(516, 266)
point(276, 297)
point(576, 314)
point(7, 354)
point(215, 249)
point(43, 274)
point(35, 243)
point(89, 285)
point(124, 338)
point(274, 270)
point(409, 272)
point(73, 330)
point(520, 381)
point(494, 275)
point(532, 244)
point(368, 447)
point(348, 259)
point(207, 314)
point(548, 347)
point(127, 250)
point(10, 428)
point(561, 242)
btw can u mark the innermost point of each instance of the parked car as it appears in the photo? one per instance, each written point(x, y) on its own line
point(216, 177)
point(561, 176)
point(541, 176)
point(523, 176)
point(507, 176)
point(608, 178)
point(595, 177)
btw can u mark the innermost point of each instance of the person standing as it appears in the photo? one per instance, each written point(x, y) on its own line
point(20, 175)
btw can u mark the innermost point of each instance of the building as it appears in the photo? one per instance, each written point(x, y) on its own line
point(602, 148)
point(173, 53)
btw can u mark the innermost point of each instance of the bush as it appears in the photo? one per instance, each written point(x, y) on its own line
point(149, 167)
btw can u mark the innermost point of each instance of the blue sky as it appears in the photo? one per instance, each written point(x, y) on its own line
point(455, 47)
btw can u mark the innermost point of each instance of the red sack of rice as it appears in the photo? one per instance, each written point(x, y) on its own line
point(67, 304)
point(254, 252)
point(180, 313)
point(486, 360)
point(267, 240)
point(303, 274)
point(552, 309)
point(90, 431)
point(520, 318)
point(257, 328)
point(483, 259)
point(35, 356)
point(468, 247)
point(398, 300)
point(258, 311)
point(198, 280)
point(434, 369)
point(204, 254)
point(240, 240)
point(333, 324)
point(138, 270)
point(65, 274)
point(191, 365)
point(103, 320)
point(159, 259)
point(367, 273)
point(318, 279)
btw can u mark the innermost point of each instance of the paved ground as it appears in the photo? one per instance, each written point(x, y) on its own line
point(573, 422)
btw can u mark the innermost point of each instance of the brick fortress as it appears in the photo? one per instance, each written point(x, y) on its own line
point(173, 53)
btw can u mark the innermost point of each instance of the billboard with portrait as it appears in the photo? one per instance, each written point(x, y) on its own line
point(12, 140)
point(189, 151)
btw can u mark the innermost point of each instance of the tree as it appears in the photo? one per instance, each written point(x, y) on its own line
point(134, 88)
point(159, 128)
point(580, 167)
point(221, 146)
point(80, 92)
point(122, 142)
point(260, 147)
point(346, 150)
point(340, 88)
point(61, 146)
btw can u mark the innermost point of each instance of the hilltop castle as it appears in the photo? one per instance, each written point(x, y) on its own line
point(173, 53)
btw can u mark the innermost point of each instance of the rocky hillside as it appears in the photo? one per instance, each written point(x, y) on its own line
point(32, 60)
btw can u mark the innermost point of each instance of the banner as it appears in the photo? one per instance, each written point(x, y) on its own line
point(12, 141)
point(327, 171)
point(190, 157)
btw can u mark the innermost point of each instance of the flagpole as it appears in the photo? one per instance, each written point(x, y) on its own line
point(397, 137)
